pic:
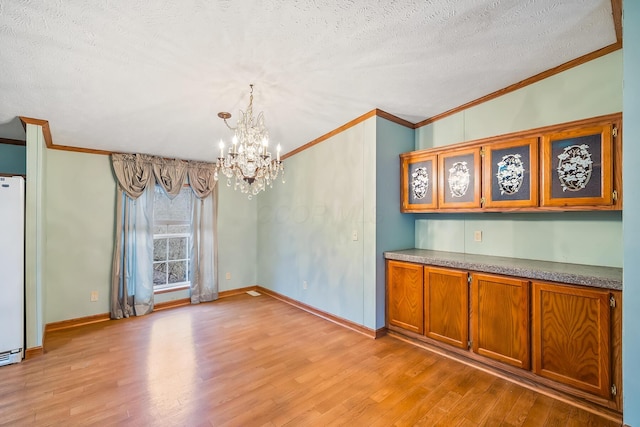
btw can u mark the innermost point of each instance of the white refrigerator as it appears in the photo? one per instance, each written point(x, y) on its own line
point(11, 269)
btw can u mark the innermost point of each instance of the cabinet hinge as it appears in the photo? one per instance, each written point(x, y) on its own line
point(615, 195)
point(614, 390)
point(469, 343)
point(482, 152)
point(469, 278)
point(614, 132)
point(482, 201)
point(612, 301)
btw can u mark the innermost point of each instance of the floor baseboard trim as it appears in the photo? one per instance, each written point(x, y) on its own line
point(171, 304)
point(380, 332)
point(72, 323)
point(323, 314)
point(32, 352)
point(232, 292)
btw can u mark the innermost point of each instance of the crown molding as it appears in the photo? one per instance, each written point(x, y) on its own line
point(376, 112)
point(46, 131)
point(12, 141)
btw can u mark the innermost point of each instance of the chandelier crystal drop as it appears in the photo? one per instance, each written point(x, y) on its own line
point(247, 159)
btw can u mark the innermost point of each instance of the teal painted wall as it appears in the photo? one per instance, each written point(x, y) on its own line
point(368, 235)
point(631, 221)
point(80, 204)
point(237, 238)
point(13, 159)
point(305, 226)
point(589, 90)
point(393, 230)
point(348, 183)
point(562, 237)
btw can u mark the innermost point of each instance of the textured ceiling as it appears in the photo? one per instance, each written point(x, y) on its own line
point(151, 75)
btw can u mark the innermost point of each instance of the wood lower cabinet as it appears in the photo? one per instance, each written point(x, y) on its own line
point(565, 337)
point(446, 306)
point(500, 318)
point(405, 296)
point(572, 336)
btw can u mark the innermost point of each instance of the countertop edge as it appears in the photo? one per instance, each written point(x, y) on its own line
point(600, 277)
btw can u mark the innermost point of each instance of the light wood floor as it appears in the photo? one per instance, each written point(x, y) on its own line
point(256, 361)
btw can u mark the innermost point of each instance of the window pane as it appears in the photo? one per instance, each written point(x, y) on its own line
point(159, 273)
point(176, 229)
point(178, 209)
point(171, 217)
point(177, 271)
point(177, 248)
point(159, 249)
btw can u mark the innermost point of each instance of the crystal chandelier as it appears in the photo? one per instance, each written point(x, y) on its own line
point(247, 159)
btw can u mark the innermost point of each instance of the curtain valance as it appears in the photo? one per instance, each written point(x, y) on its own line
point(135, 172)
point(202, 178)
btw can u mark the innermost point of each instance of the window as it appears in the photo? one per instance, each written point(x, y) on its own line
point(171, 239)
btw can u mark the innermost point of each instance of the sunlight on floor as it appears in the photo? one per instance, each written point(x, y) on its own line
point(171, 362)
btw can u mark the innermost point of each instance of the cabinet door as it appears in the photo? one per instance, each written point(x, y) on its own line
point(571, 336)
point(446, 303)
point(419, 188)
point(510, 174)
point(577, 167)
point(500, 318)
point(459, 178)
point(404, 295)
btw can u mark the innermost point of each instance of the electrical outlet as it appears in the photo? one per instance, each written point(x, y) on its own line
point(305, 285)
point(94, 296)
point(477, 236)
point(228, 276)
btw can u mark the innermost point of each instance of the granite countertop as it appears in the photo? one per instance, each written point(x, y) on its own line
point(575, 274)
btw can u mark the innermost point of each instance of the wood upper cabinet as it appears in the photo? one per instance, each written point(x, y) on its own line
point(446, 306)
point(419, 187)
point(500, 318)
point(572, 336)
point(568, 166)
point(510, 174)
point(459, 178)
point(577, 167)
point(404, 295)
